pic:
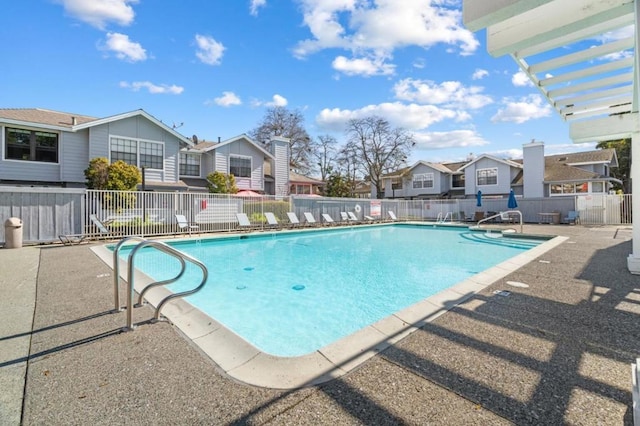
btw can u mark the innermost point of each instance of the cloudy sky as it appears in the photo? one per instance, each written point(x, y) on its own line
point(211, 68)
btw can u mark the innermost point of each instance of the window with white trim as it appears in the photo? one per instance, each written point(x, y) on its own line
point(189, 164)
point(423, 180)
point(240, 166)
point(138, 153)
point(487, 176)
point(31, 145)
point(457, 181)
point(575, 188)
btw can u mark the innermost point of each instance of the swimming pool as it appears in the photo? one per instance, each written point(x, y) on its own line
point(290, 294)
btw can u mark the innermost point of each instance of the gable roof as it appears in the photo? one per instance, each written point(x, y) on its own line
point(600, 156)
point(210, 146)
point(37, 117)
point(491, 157)
point(297, 178)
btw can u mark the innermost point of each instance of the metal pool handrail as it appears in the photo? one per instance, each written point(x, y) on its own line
point(116, 269)
point(182, 257)
point(501, 215)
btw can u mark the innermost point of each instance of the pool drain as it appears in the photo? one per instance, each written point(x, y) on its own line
point(298, 287)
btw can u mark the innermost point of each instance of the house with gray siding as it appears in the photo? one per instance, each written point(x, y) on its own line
point(534, 176)
point(44, 147)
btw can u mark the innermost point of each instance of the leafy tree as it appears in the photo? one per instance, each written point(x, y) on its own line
point(221, 183)
point(323, 152)
point(623, 171)
point(279, 121)
point(117, 176)
point(377, 147)
point(338, 185)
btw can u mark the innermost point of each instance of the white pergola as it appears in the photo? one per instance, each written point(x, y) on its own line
point(580, 55)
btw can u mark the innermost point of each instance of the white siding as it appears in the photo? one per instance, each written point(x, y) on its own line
point(74, 156)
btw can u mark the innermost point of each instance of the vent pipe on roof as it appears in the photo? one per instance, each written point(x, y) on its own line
point(218, 139)
point(74, 121)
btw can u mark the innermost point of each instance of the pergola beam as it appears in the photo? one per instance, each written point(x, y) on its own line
point(478, 14)
point(587, 72)
point(549, 21)
point(605, 129)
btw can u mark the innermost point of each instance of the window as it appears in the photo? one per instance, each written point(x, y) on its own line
point(424, 180)
point(487, 176)
point(396, 183)
point(138, 153)
point(240, 166)
point(576, 188)
point(31, 145)
point(457, 181)
point(189, 164)
point(597, 186)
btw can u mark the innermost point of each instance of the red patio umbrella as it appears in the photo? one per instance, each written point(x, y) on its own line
point(248, 193)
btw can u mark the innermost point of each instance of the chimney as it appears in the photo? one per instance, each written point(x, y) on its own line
point(533, 169)
point(74, 121)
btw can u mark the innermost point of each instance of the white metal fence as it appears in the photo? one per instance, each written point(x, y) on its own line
point(49, 212)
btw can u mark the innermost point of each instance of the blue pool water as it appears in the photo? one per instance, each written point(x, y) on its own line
point(289, 294)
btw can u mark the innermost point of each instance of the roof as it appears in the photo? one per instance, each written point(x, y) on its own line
point(563, 167)
point(296, 178)
point(210, 146)
point(57, 120)
point(600, 156)
point(491, 157)
point(38, 116)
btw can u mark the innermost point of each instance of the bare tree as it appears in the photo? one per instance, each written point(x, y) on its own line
point(323, 152)
point(279, 121)
point(378, 148)
point(347, 166)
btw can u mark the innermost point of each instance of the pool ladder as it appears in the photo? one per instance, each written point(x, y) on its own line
point(443, 218)
point(183, 258)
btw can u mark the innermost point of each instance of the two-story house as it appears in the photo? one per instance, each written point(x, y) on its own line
point(535, 175)
point(50, 148)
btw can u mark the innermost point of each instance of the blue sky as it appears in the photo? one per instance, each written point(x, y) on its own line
point(211, 68)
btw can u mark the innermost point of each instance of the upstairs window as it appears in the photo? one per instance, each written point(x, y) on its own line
point(487, 176)
point(138, 153)
point(31, 145)
point(240, 166)
point(189, 164)
point(423, 180)
point(457, 181)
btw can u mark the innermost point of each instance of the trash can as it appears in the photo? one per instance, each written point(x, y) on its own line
point(13, 233)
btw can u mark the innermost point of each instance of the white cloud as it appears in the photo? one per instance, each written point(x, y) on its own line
point(362, 66)
point(375, 28)
point(276, 100)
point(99, 13)
point(619, 34)
point(453, 139)
point(520, 79)
point(407, 116)
point(154, 89)
point(520, 111)
point(209, 50)
point(255, 5)
point(479, 74)
point(124, 48)
point(226, 100)
point(448, 93)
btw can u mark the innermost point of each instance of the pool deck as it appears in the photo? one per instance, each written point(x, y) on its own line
point(556, 352)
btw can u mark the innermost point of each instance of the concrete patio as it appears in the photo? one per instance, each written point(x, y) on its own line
point(556, 352)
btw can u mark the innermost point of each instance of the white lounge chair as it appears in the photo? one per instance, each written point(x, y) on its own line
point(293, 219)
point(243, 220)
point(369, 218)
point(392, 215)
point(184, 225)
point(309, 219)
point(327, 219)
point(103, 227)
point(352, 217)
point(271, 220)
point(344, 216)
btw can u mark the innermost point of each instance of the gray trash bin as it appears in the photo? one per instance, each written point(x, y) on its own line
point(13, 233)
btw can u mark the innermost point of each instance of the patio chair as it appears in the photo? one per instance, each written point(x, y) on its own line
point(352, 217)
point(272, 221)
point(184, 225)
point(102, 226)
point(369, 218)
point(344, 216)
point(243, 221)
point(392, 215)
point(309, 219)
point(327, 219)
point(573, 217)
point(293, 219)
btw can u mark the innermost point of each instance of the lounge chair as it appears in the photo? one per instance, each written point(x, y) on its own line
point(573, 217)
point(271, 220)
point(184, 225)
point(369, 218)
point(392, 215)
point(293, 219)
point(243, 221)
point(327, 219)
point(102, 226)
point(344, 216)
point(352, 217)
point(308, 217)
